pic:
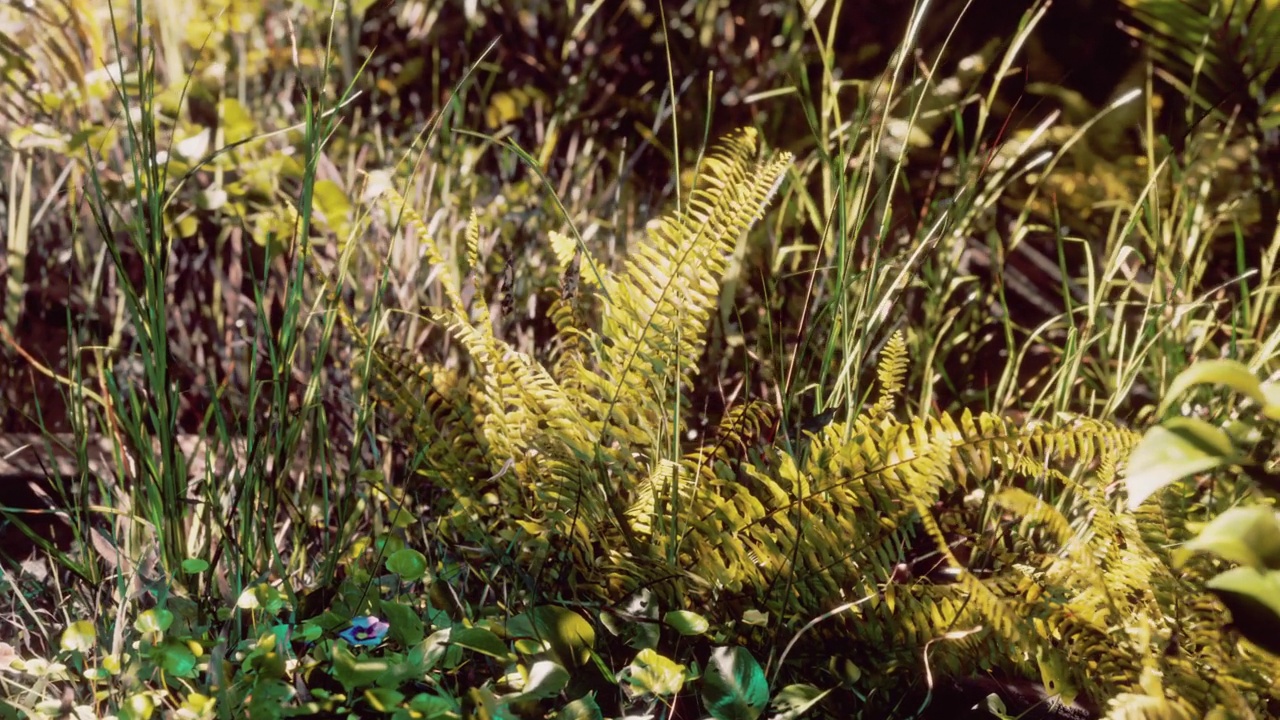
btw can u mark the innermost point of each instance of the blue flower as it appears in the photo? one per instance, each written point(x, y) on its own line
point(365, 631)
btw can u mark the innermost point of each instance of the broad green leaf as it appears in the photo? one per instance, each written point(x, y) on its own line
point(584, 708)
point(793, 701)
point(1248, 536)
point(686, 623)
point(400, 518)
point(1253, 598)
point(637, 634)
point(480, 640)
point(653, 674)
point(568, 635)
point(434, 706)
point(406, 626)
point(237, 122)
point(333, 204)
point(545, 679)
point(1232, 373)
point(1169, 452)
point(353, 673)
point(436, 648)
point(384, 700)
point(176, 658)
point(195, 566)
point(408, 563)
point(79, 636)
point(139, 706)
point(157, 621)
point(734, 686)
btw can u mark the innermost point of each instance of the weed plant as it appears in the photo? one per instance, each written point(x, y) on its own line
point(226, 526)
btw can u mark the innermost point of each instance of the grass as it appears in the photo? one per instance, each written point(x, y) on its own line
point(905, 211)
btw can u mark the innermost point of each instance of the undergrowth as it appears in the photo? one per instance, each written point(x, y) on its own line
point(225, 227)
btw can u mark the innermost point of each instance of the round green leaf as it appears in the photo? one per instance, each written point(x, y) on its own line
point(734, 686)
point(310, 631)
point(195, 566)
point(79, 636)
point(176, 658)
point(686, 623)
point(157, 620)
point(408, 563)
point(653, 674)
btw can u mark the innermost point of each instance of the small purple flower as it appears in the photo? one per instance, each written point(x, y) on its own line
point(365, 631)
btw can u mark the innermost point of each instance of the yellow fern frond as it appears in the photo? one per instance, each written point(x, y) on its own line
point(891, 371)
point(567, 252)
point(663, 299)
point(400, 211)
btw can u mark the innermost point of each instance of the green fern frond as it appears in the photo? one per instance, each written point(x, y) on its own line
point(426, 407)
point(572, 342)
point(664, 297)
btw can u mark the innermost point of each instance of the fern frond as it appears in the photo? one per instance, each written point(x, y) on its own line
point(569, 253)
point(478, 310)
point(399, 210)
point(664, 297)
point(891, 371)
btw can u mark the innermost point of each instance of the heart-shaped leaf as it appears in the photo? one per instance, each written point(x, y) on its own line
point(408, 563)
point(568, 635)
point(652, 674)
point(734, 686)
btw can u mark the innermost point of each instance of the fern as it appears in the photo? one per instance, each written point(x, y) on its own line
point(573, 459)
